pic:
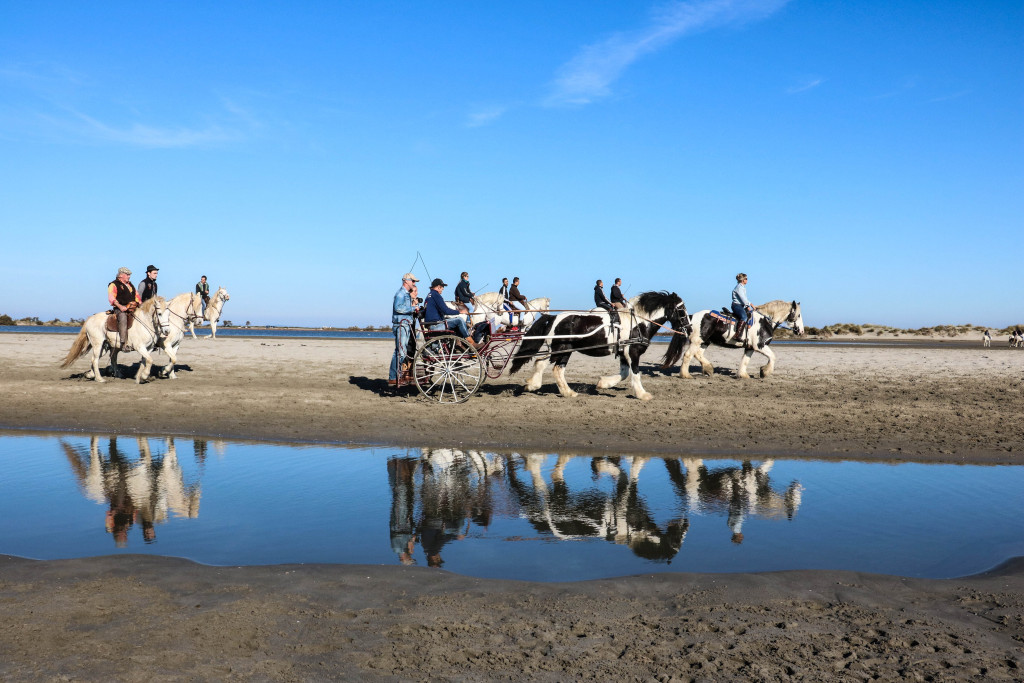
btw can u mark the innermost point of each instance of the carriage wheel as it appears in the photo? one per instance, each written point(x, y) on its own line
point(447, 369)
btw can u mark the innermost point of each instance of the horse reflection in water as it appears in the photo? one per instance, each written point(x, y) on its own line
point(621, 516)
point(145, 490)
point(740, 492)
point(439, 497)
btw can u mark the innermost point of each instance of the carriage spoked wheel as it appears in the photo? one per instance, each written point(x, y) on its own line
point(447, 369)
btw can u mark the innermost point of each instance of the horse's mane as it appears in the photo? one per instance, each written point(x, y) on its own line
point(776, 310)
point(648, 302)
point(183, 297)
point(148, 304)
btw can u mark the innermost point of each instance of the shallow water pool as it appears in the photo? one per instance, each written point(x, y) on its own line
point(540, 516)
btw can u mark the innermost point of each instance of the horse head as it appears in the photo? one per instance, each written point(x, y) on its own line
point(795, 318)
point(161, 317)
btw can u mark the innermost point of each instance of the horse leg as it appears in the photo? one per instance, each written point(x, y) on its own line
point(172, 355)
point(115, 369)
point(536, 379)
point(145, 365)
point(213, 329)
point(688, 354)
point(769, 367)
point(747, 353)
point(558, 370)
point(609, 381)
point(634, 373)
point(705, 365)
point(94, 373)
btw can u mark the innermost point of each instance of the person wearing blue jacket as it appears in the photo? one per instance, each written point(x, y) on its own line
point(740, 306)
point(436, 309)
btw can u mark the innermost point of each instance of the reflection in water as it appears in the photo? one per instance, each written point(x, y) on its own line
point(521, 516)
point(438, 497)
point(142, 490)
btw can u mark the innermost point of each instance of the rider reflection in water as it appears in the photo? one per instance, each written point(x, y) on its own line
point(143, 490)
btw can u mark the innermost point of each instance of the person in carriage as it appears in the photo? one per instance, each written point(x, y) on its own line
point(515, 301)
point(402, 311)
point(601, 301)
point(436, 309)
point(741, 307)
point(464, 296)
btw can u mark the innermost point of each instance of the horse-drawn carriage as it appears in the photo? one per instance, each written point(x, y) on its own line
point(445, 368)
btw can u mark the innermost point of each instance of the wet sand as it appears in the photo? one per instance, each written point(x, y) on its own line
point(134, 617)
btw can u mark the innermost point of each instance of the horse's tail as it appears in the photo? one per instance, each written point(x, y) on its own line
point(675, 350)
point(79, 347)
point(680, 340)
point(533, 340)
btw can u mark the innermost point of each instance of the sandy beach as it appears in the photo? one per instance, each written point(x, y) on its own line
point(135, 617)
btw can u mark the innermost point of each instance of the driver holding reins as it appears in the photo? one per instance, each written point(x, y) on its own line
point(124, 298)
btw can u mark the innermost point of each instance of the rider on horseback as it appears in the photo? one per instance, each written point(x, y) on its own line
point(124, 298)
point(740, 307)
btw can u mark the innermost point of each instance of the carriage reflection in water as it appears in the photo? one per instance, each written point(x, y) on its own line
point(447, 369)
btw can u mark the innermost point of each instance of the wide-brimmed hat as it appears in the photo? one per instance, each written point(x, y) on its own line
point(410, 276)
point(438, 282)
point(124, 269)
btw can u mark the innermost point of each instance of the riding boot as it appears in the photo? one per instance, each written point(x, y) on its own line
point(472, 344)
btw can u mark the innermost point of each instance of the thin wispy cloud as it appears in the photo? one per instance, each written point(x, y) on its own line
point(805, 86)
point(53, 103)
point(590, 74)
point(142, 135)
point(485, 115)
point(954, 96)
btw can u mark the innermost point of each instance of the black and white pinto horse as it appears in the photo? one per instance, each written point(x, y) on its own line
point(714, 327)
point(593, 334)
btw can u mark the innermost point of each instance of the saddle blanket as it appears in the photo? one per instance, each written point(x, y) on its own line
point(112, 321)
point(717, 315)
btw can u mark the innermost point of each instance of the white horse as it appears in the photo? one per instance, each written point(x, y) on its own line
point(1016, 339)
point(713, 327)
point(151, 323)
point(185, 309)
point(212, 312)
point(490, 303)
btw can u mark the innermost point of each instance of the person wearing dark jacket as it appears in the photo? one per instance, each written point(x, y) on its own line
point(147, 287)
point(463, 294)
point(436, 309)
point(515, 297)
point(123, 296)
point(601, 301)
point(618, 301)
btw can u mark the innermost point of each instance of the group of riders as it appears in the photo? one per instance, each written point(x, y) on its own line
point(438, 315)
point(125, 298)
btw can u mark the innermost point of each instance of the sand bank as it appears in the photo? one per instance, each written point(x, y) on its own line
point(140, 618)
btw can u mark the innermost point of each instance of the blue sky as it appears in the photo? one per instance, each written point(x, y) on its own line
point(866, 158)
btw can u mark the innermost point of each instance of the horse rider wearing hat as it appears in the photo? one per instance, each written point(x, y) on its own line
point(147, 287)
point(402, 311)
point(203, 290)
point(436, 310)
point(124, 298)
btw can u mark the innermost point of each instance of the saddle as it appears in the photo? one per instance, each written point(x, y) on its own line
point(725, 315)
point(112, 319)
